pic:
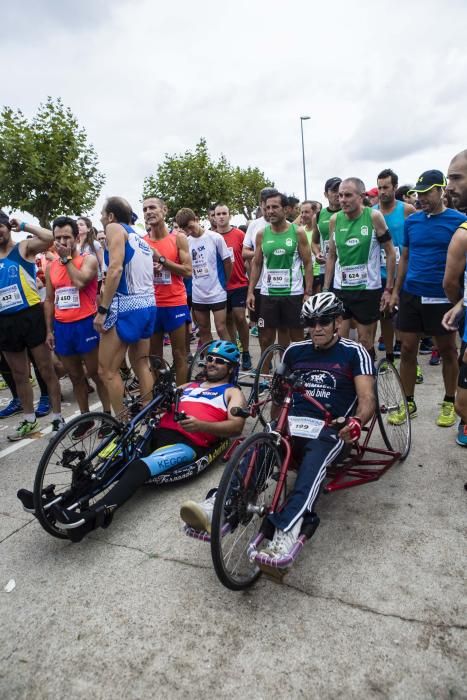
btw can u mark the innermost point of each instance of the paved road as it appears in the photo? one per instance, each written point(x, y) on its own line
point(374, 608)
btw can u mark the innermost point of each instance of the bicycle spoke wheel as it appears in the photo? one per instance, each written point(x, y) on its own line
point(243, 498)
point(267, 365)
point(390, 399)
point(198, 363)
point(66, 469)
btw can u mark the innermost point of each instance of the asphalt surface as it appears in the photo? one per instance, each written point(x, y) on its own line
point(374, 607)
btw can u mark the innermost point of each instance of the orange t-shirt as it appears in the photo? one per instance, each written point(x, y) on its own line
point(72, 304)
point(168, 287)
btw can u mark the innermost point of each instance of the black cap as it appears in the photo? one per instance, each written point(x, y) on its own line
point(332, 184)
point(428, 180)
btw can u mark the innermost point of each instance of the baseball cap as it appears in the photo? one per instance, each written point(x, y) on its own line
point(332, 184)
point(372, 193)
point(428, 180)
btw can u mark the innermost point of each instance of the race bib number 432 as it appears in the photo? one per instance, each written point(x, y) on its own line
point(10, 297)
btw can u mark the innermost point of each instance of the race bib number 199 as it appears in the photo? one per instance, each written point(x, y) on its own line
point(305, 427)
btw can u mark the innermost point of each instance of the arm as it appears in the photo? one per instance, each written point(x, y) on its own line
point(401, 273)
point(247, 253)
point(230, 427)
point(382, 235)
point(183, 268)
point(116, 248)
point(452, 317)
point(228, 267)
point(366, 402)
point(255, 272)
point(49, 306)
point(316, 241)
point(455, 265)
point(43, 239)
point(305, 254)
point(332, 255)
point(79, 278)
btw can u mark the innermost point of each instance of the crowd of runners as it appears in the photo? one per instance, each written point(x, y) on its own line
point(84, 303)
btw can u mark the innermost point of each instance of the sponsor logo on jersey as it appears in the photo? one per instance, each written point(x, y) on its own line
point(289, 242)
point(352, 242)
point(279, 251)
point(364, 230)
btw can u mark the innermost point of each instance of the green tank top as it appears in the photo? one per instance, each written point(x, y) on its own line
point(282, 274)
point(358, 253)
point(323, 228)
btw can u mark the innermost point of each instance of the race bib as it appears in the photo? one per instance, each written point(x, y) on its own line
point(10, 297)
point(354, 275)
point(67, 298)
point(325, 248)
point(278, 278)
point(162, 277)
point(383, 256)
point(232, 254)
point(305, 427)
point(435, 300)
point(200, 271)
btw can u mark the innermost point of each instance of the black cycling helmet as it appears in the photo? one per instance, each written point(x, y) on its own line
point(322, 304)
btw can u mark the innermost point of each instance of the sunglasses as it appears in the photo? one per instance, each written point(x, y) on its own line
point(323, 321)
point(217, 360)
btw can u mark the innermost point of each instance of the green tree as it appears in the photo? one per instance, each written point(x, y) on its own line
point(47, 166)
point(246, 187)
point(193, 179)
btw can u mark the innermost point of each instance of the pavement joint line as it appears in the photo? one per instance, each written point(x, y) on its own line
point(28, 441)
point(373, 611)
point(21, 527)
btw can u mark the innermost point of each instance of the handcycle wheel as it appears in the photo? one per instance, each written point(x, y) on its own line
point(390, 397)
point(66, 467)
point(198, 362)
point(267, 365)
point(243, 498)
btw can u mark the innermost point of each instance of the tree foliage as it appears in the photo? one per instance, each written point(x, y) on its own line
point(193, 179)
point(47, 166)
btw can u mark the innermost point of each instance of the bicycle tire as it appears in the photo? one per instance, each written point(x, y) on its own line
point(73, 464)
point(269, 360)
point(390, 397)
point(233, 525)
point(195, 366)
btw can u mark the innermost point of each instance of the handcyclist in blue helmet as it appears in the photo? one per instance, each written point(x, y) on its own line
point(183, 437)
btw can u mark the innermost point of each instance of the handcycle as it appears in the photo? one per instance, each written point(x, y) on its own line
point(254, 482)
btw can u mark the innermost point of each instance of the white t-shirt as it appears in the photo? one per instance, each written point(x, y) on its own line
point(250, 239)
point(208, 253)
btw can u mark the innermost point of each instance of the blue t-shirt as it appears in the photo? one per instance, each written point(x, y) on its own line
point(328, 375)
point(427, 239)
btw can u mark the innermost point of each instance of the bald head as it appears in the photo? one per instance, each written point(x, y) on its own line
point(358, 184)
point(457, 181)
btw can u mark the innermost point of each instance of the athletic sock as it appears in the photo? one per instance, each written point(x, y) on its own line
point(449, 398)
point(30, 417)
point(57, 416)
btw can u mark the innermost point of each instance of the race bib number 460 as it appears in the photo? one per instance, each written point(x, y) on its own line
point(67, 298)
point(305, 427)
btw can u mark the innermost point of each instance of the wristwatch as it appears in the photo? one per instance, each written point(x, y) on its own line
point(102, 310)
point(66, 259)
point(162, 260)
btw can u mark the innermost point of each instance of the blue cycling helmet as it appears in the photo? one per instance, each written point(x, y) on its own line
point(225, 349)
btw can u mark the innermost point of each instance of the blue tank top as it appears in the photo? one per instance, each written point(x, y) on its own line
point(18, 287)
point(395, 223)
point(137, 275)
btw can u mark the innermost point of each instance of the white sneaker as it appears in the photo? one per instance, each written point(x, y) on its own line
point(282, 542)
point(57, 425)
point(199, 515)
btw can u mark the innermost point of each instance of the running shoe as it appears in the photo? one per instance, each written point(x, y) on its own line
point(3, 385)
point(24, 429)
point(282, 542)
point(27, 500)
point(398, 417)
point(246, 361)
point(43, 407)
point(461, 438)
point(133, 386)
point(426, 346)
point(254, 331)
point(13, 407)
point(199, 515)
point(397, 348)
point(83, 429)
point(57, 425)
point(381, 345)
point(419, 375)
point(435, 358)
point(447, 416)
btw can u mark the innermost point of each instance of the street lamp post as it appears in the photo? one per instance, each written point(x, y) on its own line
point(302, 119)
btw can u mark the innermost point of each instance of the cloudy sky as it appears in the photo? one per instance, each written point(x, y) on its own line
point(383, 83)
